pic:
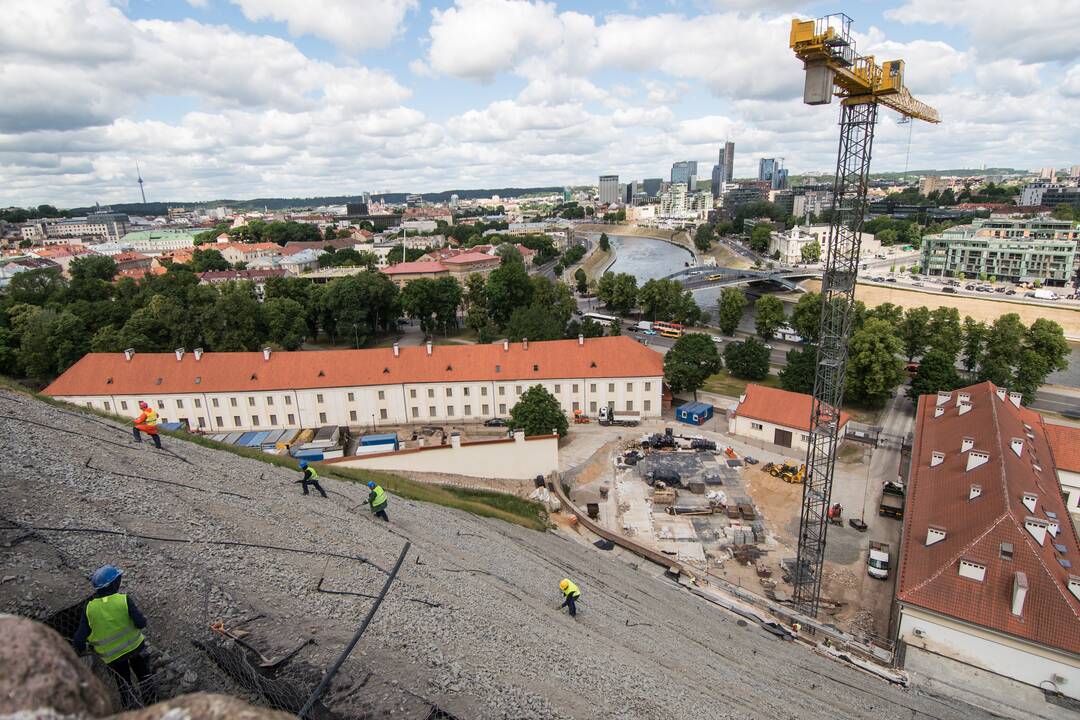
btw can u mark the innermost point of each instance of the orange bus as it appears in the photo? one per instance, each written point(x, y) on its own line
point(668, 329)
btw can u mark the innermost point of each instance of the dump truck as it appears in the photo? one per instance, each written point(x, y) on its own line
point(877, 560)
point(788, 472)
point(892, 501)
point(628, 418)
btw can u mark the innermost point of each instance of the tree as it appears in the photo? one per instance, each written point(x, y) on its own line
point(759, 238)
point(538, 413)
point(668, 300)
point(806, 317)
point(913, 332)
point(618, 292)
point(433, 302)
point(1004, 344)
point(554, 298)
point(534, 323)
point(937, 371)
point(208, 260)
point(768, 316)
point(703, 237)
point(874, 371)
point(748, 360)
point(811, 252)
point(888, 236)
point(974, 337)
point(286, 322)
point(945, 333)
point(605, 245)
point(690, 361)
point(348, 257)
point(235, 322)
point(1045, 350)
point(581, 281)
point(615, 328)
point(798, 374)
point(890, 313)
point(508, 288)
point(730, 310)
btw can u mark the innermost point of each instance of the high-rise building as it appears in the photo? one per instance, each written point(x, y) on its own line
point(652, 186)
point(608, 190)
point(726, 161)
point(685, 171)
point(632, 188)
point(454, 201)
point(567, 194)
point(1046, 173)
point(717, 183)
point(1074, 171)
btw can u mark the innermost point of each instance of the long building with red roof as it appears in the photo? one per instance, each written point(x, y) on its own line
point(399, 385)
point(989, 571)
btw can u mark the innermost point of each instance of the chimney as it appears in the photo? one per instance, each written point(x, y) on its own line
point(1019, 593)
point(943, 397)
point(1029, 500)
point(266, 353)
point(429, 347)
point(939, 411)
point(179, 354)
point(506, 346)
point(397, 350)
point(974, 492)
point(580, 340)
point(1014, 398)
point(198, 354)
point(129, 353)
point(966, 444)
point(976, 458)
point(934, 535)
point(1036, 528)
point(936, 458)
point(1074, 586)
point(524, 343)
point(963, 408)
point(1017, 446)
point(1000, 393)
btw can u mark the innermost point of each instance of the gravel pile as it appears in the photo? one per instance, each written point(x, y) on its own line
point(471, 624)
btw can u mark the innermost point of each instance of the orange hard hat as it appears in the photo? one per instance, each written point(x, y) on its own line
point(564, 584)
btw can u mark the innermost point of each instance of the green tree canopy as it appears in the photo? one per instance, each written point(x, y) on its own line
point(759, 238)
point(768, 316)
point(286, 322)
point(806, 316)
point(508, 288)
point(811, 252)
point(798, 374)
point(730, 310)
point(618, 292)
point(874, 370)
point(668, 300)
point(937, 372)
point(946, 334)
point(748, 360)
point(914, 332)
point(538, 413)
point(208, 260)
point(690, 361)
point(704, 236)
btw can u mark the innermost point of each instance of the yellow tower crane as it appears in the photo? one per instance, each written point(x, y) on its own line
point(834, 68)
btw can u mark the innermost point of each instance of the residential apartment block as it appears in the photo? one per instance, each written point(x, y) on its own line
point(1021, 250)
point(386, 386)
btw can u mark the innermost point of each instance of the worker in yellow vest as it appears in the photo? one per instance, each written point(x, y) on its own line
point(377, 500)
point(571, 593)
point(112, 625)
point(147, 422)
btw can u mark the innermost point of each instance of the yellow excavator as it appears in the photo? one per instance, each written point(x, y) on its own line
point(788, 472)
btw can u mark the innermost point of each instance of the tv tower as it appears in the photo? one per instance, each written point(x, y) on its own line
point(139, 174)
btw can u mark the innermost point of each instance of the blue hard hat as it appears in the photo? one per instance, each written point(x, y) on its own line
point(303, 464)
point(371, 484)
point(105, 575)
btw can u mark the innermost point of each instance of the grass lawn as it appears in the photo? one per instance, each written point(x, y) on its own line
point(594, 262)
point(724, 383)
point(864, 415)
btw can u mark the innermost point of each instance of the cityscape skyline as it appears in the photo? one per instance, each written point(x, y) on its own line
point(221, 99)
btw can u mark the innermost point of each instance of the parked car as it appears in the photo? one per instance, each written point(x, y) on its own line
point(969, 287)
point(717, 339)
point(495, 422)
point(890, 279)
point(917, 284)
point(750, 460)
point(648, 332)
point(879, 278)
point(1000, 290)
point(948, 289)
point(1010, 291)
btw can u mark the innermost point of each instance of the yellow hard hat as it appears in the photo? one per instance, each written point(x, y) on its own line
point(564, 584)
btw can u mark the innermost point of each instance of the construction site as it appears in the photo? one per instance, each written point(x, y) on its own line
point(252, 589)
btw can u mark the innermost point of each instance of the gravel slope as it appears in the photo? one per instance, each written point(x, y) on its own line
point(470, 624)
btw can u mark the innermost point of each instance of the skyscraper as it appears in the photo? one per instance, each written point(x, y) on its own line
point(608, 189)
point(652, 186)
point(772, 170)
point(685, 171)
point(726, 161)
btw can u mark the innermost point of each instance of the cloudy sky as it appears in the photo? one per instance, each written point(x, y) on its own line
point(248, 98)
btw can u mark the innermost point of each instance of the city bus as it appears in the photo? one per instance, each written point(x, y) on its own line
point(604, 320)
point(668, 329)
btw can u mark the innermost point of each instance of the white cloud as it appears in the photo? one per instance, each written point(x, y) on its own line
point(350, 24)
point(1071, 84)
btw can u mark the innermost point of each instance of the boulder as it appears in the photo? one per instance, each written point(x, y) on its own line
point(39, 670)
point(204, 706)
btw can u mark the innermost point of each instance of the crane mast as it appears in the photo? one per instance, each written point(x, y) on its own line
point(833, 67)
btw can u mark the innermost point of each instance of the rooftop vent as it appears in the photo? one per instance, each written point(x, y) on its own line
point(939, 411)
point(592, 364)
point(322, 374)
point(1015, 397)
point(386, 371)
point(973, 570)
point(1029, 500)
point(179, 354)
point(936, 458)
point(934, 535)
point(1006, 551)
point(449, 368)
point(975, 491)
point(397, 350)
point(943, 397)
point(1019, 593)
point(428, 348)
point(536, 368)
point(108, 381)
point(1074, 586)
point(158, 381)
point(1036, 528)
point(254, 376)
point(524, 343)
point(266, 353)
point(1000, 392)
point(506, 345)
point(963, 408)
point(1061, 548)
point(966, 444)
point(580, 340)
point(198, 353)
point(1017, 445)
point(498, 368)
point(976, 458)
point(1064, 563)
point(129, 353)
point(198, 379)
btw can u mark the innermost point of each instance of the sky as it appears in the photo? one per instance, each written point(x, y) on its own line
point(299, 98)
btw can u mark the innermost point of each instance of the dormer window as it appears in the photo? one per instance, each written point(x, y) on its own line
point(976, 458)
point(939, 411)
point(1029, 500)
point(536, 368)
point(936, 458)
point(934, 535)
point(973, 570)
point(108, 381)
point(966, 444)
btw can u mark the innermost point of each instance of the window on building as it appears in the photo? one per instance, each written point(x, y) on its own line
point(757, 426)
point(431, 411)
point(198, 403)
point(107, 405)
point(123, 404)
point(502, 408)
point(202, 422)
point(319, 398)
point(431, 392)
point(558, 388)
point(647, 405)
point(629, 404)
point(322, 418)
point(273, 419)
point(518, 390)
point(254, 421)
point(288, 399)
point(382, 414)
point(179, 405)
point(382, 394)
point(415, 411)
point(483, 409)
point(450, 411)
point(468, 410)
point(251, 401)
point(592, 387)
point(232, 402)
point(269, 399)
point(352, 397)
point(220, 421)
point(465, 391)
point(161, 404)
point(805, 438)
point(1006, 551)
point(574, 387)
point(352, 415)
point(292, 419)
point(236, 420)
point(483, 391)
point(412, 393)
point(449, 392)
point(648, 386)
point(611, 387)
point(629, 387)
point(576, 404)
point(502, 390)
point(592, 407)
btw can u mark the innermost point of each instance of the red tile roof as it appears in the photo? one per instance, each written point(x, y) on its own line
point(976, 528)
point(1064, 446)
point(472, 257)
point(779, 407)
point(161, 373)
point(217, 276)
point(414, 267)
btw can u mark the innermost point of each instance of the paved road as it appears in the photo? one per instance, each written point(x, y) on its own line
point(1057, 399)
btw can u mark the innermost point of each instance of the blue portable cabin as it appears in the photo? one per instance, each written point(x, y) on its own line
point(380, 439)
point(244, 439)
point(694, 413)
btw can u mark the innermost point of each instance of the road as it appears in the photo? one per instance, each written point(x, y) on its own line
point(1058, 399)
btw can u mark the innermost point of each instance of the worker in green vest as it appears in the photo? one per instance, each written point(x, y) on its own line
point(377, 500)
point(571, 593)
point(112, 625)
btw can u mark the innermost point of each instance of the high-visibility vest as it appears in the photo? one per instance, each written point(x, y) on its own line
point(112, 633)
point(313, 475)
point(151, 417)
point(379, 501)
point(571, 590)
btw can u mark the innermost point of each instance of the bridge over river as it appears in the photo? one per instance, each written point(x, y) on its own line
point(703, 276)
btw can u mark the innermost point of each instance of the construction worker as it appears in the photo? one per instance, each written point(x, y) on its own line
point(310, 478)
point(377, 500)
point(571, 593)
point(147, 422)
point(796, 627)
point(112, 625)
